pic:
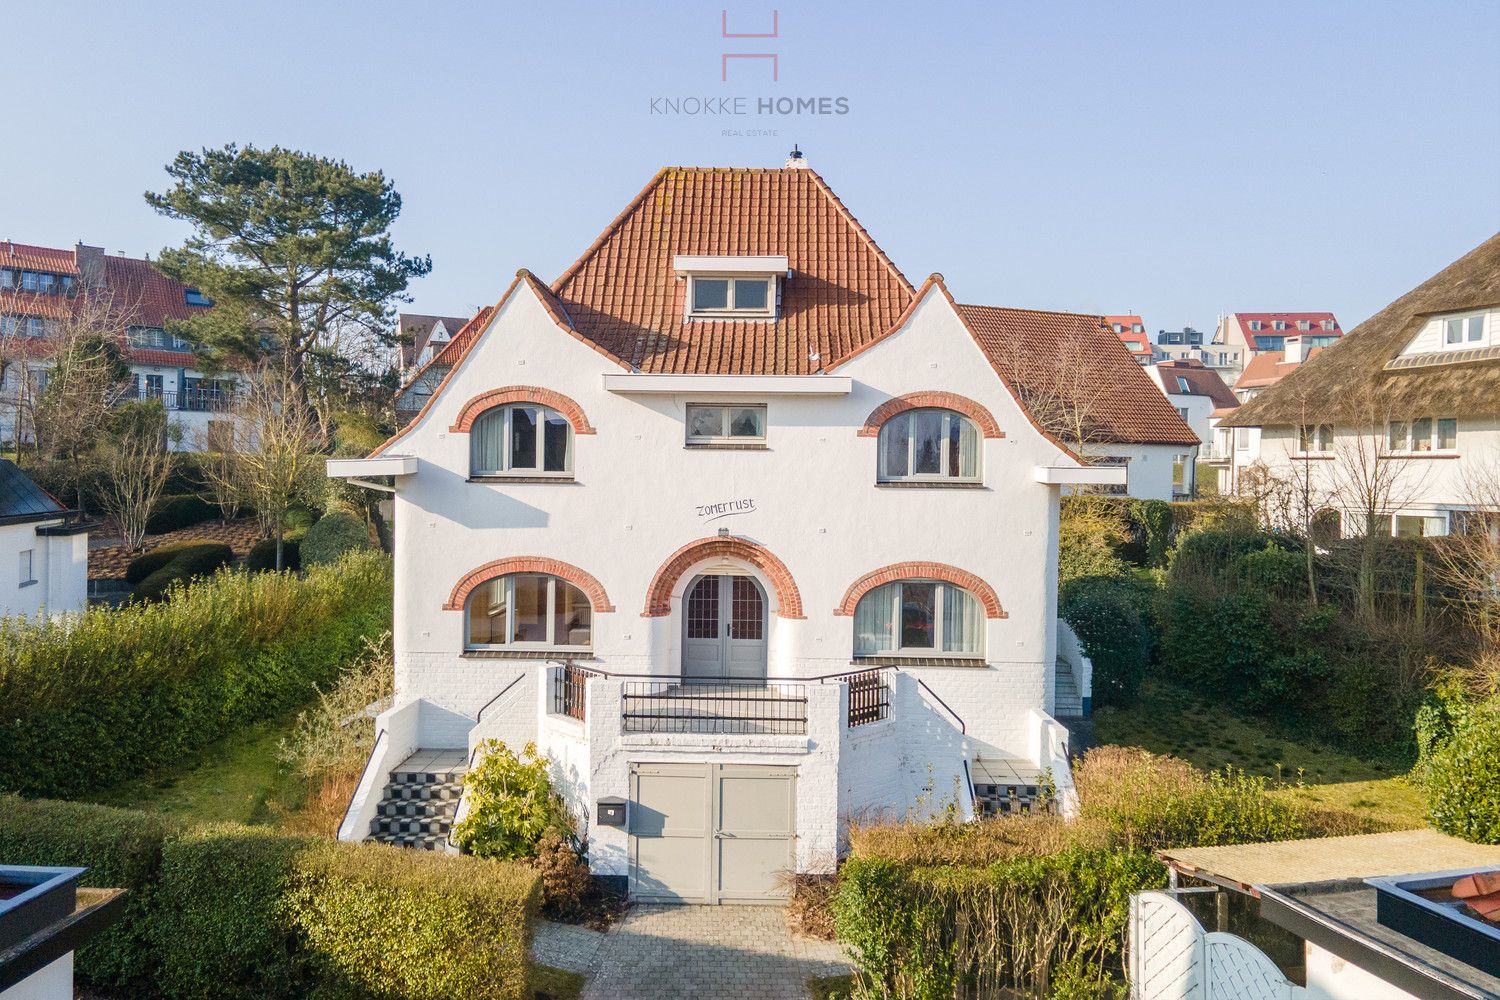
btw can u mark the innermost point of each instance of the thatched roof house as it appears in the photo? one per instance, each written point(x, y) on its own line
point(1341, 377)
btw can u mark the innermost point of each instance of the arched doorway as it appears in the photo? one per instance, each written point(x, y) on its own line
point(724, 628)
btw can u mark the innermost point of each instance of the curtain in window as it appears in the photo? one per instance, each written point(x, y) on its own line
point(962, 620)
point(964, 461)
point(873, 621)
point(487, 439)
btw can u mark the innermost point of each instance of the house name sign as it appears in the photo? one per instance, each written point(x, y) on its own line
point(724, 508)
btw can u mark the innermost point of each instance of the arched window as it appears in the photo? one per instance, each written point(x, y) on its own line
point(918, 618)
point(521, 439)
point(528, 611)
point(929, 445)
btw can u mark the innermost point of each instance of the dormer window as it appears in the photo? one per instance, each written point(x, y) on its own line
point(1327, 324)
point(1463, 330)
point(1280, 324)
point(193, 297)
point(732, 287)
point(739, 296)
point(1255, 324)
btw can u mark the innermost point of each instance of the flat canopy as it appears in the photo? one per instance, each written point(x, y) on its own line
point(1087, 475)
point(1328, 859)
point(685, 264)
point(380, 465)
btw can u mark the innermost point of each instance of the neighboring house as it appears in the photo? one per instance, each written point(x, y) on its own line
point(1268, 331)
point(1189, 344)
point(41, 287)
point(44, 550)
point(1201, 398)
point(1405, 408)
point(1132, 330)
point(1269, 367)
point(746, 532)
point(423, 337)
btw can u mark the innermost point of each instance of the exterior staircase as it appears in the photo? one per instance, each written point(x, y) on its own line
point(420, 801)
point(1007, 787)
point(1067, 700)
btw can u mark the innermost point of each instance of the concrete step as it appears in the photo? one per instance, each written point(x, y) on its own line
point(420, 801)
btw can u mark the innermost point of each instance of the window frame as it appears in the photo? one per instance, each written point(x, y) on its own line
point(508, 470)
point(26, 567)
point(939, 607)
point(946, 437)
point(1319, 436)
point(732, 310)
point(550, 616)
point(729, 438)
point(1429, 444)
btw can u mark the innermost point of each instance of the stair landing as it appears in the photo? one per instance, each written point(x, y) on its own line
point(1006, 786)
point(420, 800)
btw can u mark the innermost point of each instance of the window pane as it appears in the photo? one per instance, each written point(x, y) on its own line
point(746, 421)
point(1454, 331)
point(487, 614)
point(530, 615)
point(961, 620)
point(703, 609)
point(747, 610)
point(1421, 434)
point(895, 438)
point(1396, 440)
point(486, 439)
point(963, 447)
point(710, 293)
point(750, 293)
point(918, 602)
point(523, 437)
point(1476, 328)
point(705, 421)
point(572, 617)
point(1447, 433)
point(555, 442)
point(1304, 438)
point(927, 458)
point(873, 621)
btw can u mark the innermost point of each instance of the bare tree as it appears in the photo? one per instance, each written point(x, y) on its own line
point(1063, 389)
point(274, 463)
point(1468, 563)
point(138, 464)
point(218, 457)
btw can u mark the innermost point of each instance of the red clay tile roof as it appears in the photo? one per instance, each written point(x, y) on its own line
point(623, 296)
point(419, 327)
point(1267, 368)
point(1139, 342)
point(153, 356)
point(1024, 344)
point(18, 303)
point(21, 255)
point(1313, 318)
point(1201, 381)
point(148, 297)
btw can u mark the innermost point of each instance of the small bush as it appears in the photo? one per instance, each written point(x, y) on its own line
point(189, 562)
point(809, 904)
point(262, 557)
point(144, 565)
point(564, 874)
point(1459, 763)
point(181, 511)
point(1105, 613)
point(1091, 533)
point(331, 536)
point(511, 804)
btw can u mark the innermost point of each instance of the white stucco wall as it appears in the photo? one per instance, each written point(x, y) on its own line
point(59, 568)
point(1341, 980)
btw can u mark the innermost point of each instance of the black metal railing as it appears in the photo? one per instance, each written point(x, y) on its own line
point(869, 697)
point(692, 705)
point(191, 400)
point(570, 691)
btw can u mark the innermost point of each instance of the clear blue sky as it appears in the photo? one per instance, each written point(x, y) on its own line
point(1173, 159)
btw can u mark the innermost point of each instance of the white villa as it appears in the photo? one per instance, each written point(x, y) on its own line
point(44, 550)
point(1402, 414)
point(748, 533)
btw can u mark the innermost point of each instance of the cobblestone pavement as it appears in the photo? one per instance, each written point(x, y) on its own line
point(692, 952)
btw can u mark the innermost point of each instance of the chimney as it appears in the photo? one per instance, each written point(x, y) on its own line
point(795, 160)
point(90, 261)
point(1295, 354)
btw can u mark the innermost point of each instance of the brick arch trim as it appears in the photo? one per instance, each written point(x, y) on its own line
point(581, 579)
point(474, 408)
point(659, 596)
point(976, 412)
point(922, 571)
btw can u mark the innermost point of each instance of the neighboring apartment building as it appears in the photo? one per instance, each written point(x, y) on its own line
point(1132, 330)
point(747, 532)
point(1267, 331)
point(1407, 404)
point(422, 338)
point(1201, 398)
point(1189, 344)
point(44, 550)
point(42, 287)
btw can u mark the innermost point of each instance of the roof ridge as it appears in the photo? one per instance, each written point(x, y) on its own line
point(1041, 312)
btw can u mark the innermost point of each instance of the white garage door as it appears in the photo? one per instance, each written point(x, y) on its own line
point(711, 833)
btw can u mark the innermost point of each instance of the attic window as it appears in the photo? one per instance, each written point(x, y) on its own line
point(743, 295)
point(193, 297)
point(1182, 384)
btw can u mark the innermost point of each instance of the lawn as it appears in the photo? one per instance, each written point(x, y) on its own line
point(1169, 720)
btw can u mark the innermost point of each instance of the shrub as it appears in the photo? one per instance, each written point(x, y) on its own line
point(511, 804)
point(331, 536)
point(181, 511)
point(144, 565)
point(112, 693)
point(1091, 531)
point(1459, 763)
point(262, 557)
point(187, 563)
point(1105, 612)
point(1273, 571)
point(564, 874)
point(121, 849)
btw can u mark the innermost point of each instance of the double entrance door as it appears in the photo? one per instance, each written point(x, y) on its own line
point(724, 628)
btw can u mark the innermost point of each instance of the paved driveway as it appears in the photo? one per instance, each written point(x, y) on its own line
point(692, 952)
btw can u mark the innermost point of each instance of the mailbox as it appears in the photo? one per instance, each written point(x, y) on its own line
point(610, 811)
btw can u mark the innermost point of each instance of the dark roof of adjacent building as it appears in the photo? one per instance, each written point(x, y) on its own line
point(1345, 375)
point(623, 295)
point(419, 327)
point(1024, 345)
point(1199, 379)
point(22, 500)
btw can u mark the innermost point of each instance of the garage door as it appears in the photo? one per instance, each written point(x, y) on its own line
point(711, 833)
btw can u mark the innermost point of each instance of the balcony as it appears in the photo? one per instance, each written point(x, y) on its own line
point(186, 401)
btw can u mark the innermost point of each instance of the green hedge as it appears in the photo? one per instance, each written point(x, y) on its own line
point(332, 535)
point(241, 912)
point(1107, 614)
point(112, 693)
point(262, 557)
point(1458, 739)
point(181, 511)
point(186, 564)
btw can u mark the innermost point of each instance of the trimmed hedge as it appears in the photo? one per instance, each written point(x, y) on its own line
point(262, 557)
point(1106, 614)
point(332, 535)
point(181, 511)
point(188, 562)
point(239, 912)
point(96, 698)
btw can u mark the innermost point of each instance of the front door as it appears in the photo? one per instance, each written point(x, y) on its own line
point(724, 628)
